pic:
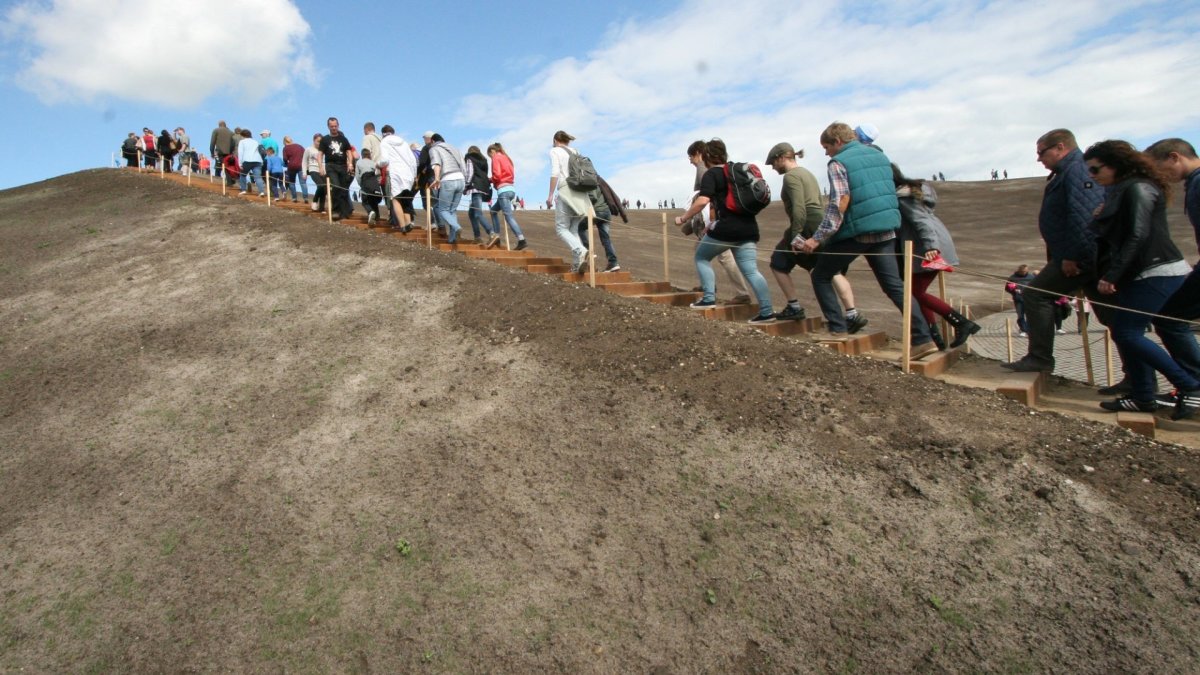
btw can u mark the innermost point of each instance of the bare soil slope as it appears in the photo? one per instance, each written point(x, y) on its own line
point(240, 439)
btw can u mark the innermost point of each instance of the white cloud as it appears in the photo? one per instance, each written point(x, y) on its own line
point(168, 53)
point(955, 87)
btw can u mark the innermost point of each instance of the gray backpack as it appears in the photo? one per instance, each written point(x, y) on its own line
point(581, 175)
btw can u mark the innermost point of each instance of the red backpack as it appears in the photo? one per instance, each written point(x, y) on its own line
point(747, 192)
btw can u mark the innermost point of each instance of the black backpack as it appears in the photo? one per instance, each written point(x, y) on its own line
point(368, 183)
point(748, 191)
point(129, 146)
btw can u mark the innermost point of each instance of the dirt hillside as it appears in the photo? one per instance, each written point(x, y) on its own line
point(239, 439)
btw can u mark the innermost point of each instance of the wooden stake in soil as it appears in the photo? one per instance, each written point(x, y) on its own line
point(906, 328)
point(162, 173)
point(1108, 362)
point(666, 257)
point(139, 153)
point(329, 200)
point(943, 325)
point(1087, 346)
point(591, 247)
point(967, 344)
point(1008, 338)
point(428, 221)
point(504, 226)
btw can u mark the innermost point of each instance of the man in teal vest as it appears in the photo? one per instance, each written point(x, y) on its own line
point(861, 218)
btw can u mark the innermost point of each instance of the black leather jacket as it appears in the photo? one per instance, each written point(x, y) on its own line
point(1132, 231)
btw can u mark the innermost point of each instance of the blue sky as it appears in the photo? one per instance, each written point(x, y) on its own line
point(957, 87)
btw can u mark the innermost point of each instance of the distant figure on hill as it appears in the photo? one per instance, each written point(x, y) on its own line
point(184, 151)
point(733, 231)
point(802, 203)
point(1006, 174)
point(933, 244)
point(1070, 197)
point(1139, 267)
point(222, 144)
point(672, 203)
point(1015, 286)
point(129, 150)
point(146, 145)
point(941, 176)
point(861, 218)
point(312, 167)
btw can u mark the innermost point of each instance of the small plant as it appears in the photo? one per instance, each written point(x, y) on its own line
point(710, 596)
point(403, 548)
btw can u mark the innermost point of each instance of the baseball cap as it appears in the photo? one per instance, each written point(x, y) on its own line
point(427, 134)
point(778, 151)
point(265, 132)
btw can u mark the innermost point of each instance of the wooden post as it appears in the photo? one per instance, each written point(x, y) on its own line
point(189, 177)
point(906, 328)
point(967, 345)
point(1087, 346)
point(139, 155)
point(428, 220)
point(504, 226)
point(268, 175)
point(943, 325)
point(329, 200)
point(224, 183)
point(591, 220)
point(666, 255)
point(1108, 361)
point(161, 167)
point(1008, 337)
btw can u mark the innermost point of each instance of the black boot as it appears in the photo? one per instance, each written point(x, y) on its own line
point(963, 328)
point(937, 337)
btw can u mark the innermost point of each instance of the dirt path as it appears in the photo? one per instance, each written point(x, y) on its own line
point(240, 439)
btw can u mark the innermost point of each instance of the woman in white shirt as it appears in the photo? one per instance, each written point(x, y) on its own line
point(569, 205)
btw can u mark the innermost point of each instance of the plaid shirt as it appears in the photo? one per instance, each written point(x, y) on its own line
point(839, 186)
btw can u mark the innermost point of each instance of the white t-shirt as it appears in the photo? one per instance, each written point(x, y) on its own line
point(559, 157)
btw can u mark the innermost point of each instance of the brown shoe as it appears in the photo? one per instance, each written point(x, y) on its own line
point(917, 351)
point(739, 300)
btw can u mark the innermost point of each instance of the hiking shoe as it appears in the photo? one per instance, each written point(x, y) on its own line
point(1126, 403)
point(703, 304)
point(337, 217)
point(1187, 406)
point(1060, 331)
point(917, 351)
point(242, 192)
point(521, 244)
point(853, 325)
point(495, 239)
point(477, 241)
point(1022, 334)
point(613, 268)
point(742, 299)
point(1027, 365)
point(762, 319)
point(581, 263)
point(371, 218)
point(1122, 387)
point(315, 207)
point(790, 313)
point(1168, 400)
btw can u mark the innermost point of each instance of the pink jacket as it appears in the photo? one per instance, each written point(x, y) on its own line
point(502, 170)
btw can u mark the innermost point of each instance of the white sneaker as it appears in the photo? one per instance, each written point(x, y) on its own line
point(1060, 331)
point(581, 262)
point(1022, 334)
point(315, 207)
point(371, 218)
point(242, 192)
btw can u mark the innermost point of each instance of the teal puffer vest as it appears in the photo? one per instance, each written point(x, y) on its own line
point(873, 204)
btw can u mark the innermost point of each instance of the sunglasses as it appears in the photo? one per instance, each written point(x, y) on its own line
point(1045, 150)
point(1094, 170)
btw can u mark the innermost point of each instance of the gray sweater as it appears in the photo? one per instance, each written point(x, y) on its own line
point(449, 158)
point(921, 225)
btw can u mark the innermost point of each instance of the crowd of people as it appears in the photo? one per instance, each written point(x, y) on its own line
point(1103, 220)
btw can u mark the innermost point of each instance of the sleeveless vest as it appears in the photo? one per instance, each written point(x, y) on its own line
point(873, 204)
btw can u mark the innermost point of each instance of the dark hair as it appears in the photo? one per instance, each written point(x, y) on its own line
point(1127, 162)
point(333, 119)
point(1161, 149)
point(497, 148)
point(696, 148)
point(474, 150)
point(436, 138)
point(387, 129)
point(838, 131)
point(246, 133)
point(900, 181)
point(714, 152)
point(366, 154)
point(369, 125)
point(563, 137)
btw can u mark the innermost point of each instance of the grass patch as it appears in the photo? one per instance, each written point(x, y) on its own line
point(168, 542)
point(947, 614)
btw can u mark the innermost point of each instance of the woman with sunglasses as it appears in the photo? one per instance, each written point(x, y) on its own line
point(1139, 268)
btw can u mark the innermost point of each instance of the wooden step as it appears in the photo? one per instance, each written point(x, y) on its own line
point(936, 363)
point(853, 345)
point(549, 269)
point(460, 247)
point(1023, 387)
point(584, 277)
point(635, 287)
point(784, 328)
point(679, 299)
point(740, 312)
point(1137, 422)
point(498, 252)
point(530, 261)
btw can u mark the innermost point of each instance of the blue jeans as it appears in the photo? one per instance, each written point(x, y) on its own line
point(295, 176)
point(602, 222)
point(251, 170)
point(276, 183)
point(504, 203)
point(566, 227)
point(887, 275)
point(746, 255)
point(448, 197)
point(475, 215)
point(1139, 355)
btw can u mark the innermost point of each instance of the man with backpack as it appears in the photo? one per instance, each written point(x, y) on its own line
point(572, 176)
point(861, 218)
point(605, 205)
point(221, 144)
point(129, 150)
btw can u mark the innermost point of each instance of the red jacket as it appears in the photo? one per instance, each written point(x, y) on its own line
point(293, 154)
point(502, 170)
